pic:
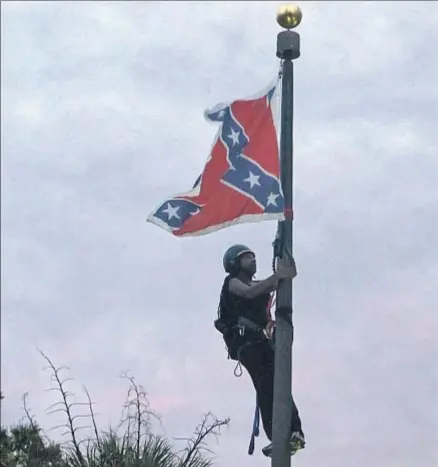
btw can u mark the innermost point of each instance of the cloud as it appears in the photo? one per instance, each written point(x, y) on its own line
point(102, 118)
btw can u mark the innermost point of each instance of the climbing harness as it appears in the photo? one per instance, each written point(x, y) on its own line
point(244, 325)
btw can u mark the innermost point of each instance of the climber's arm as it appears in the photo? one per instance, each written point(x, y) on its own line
point(265, 286)
point(255, 289)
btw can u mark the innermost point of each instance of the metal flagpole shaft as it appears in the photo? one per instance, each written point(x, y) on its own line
point(288, 48)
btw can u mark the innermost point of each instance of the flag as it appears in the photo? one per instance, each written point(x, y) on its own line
point(241, 178)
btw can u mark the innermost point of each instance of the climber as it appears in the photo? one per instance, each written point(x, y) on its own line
point(243, 320)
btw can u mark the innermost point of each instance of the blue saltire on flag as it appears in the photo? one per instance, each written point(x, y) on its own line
point(241, 179)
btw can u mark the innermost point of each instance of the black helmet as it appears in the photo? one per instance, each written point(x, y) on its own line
point(231, 257)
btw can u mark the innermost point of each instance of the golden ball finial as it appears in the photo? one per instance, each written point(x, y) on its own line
point(289, 16)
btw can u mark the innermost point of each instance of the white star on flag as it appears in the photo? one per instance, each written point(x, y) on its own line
point(171, 211)
point(253, 179)
point(234, 136)
point(271, 199)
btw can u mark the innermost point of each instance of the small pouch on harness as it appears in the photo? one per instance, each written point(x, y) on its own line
point(245, 332)
point(232, 336)
point(221, 326)
point(252, 331)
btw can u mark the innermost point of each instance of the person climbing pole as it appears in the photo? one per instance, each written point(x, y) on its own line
point(244, 321)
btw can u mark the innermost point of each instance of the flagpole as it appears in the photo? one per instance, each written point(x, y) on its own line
point(288, 49)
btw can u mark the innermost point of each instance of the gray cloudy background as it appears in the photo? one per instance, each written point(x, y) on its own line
point(102, 119)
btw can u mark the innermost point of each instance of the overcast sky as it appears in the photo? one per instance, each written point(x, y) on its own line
point(102, 119)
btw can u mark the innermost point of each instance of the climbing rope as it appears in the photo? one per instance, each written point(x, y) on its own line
point(238, 372)
point(255, 428)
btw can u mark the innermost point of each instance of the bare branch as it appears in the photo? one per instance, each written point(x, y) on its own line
point(96, 433)
point(53, 406)
point(75, 429)
point(60, 384)
point(27, 413)
point(57, 427)
point(197, 443)
point(52, 412)
point(66, 380)
point(48, 367)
